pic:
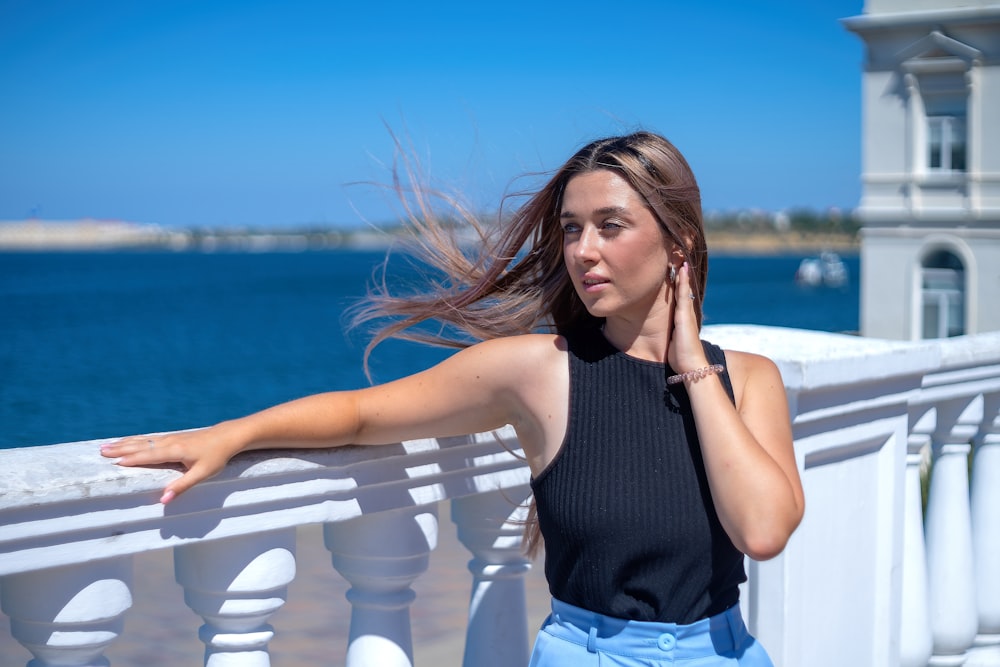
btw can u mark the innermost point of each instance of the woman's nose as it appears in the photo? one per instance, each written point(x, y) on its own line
point(586, 246)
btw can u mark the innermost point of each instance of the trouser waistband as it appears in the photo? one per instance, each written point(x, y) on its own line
point(724, 633)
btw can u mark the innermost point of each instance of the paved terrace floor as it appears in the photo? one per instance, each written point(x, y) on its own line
point(312, 628)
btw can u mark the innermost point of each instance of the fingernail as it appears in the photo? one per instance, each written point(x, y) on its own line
point(167, 496)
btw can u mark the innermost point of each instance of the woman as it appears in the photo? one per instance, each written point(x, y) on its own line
point(657, 460)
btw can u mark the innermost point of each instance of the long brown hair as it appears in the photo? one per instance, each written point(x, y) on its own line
point(511, 279)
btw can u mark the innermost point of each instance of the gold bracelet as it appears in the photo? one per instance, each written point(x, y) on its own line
point(696, 374)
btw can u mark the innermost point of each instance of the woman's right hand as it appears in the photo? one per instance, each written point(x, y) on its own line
point(203, 453)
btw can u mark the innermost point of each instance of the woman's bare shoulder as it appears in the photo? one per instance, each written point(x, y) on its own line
point(749, 362)
point(748, 369)
point(530, 345)
point(527, 353)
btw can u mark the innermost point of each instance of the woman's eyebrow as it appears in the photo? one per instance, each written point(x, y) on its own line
point(604, 210)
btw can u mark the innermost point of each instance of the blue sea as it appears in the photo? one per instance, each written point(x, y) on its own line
point(97, 345)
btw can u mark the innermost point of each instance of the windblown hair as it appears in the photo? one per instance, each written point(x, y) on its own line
point(513, 280)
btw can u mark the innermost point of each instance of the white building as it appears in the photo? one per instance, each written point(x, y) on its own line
point(930, 201)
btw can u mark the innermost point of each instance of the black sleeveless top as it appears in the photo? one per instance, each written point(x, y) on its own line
point(625, 510)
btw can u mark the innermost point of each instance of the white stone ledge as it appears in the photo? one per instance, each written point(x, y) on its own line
point(979, 350)
point(811, 360)
point(66, 504)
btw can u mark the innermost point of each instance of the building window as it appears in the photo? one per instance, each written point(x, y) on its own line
point(946, 143)
point(943, 283)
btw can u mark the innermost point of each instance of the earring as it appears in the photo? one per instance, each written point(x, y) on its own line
point(673, 274)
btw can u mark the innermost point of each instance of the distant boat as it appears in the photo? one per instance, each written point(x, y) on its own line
point(827, 269)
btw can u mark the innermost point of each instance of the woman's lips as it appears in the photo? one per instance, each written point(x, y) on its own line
point(593, 283)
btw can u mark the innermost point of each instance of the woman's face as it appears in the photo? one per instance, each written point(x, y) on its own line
point(613, 247)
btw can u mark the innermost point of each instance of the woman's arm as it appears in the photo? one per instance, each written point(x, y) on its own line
point(477, 389)
point(747, 448)
point(748, 454)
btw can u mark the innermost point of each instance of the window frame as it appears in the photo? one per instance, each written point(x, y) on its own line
point(952, 136)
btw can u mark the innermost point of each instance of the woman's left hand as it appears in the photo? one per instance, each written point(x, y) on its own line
point(685, 352)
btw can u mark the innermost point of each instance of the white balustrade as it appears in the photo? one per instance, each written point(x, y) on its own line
point(490, 525)
point(235, 584)
point(841, 574)
point(916, 643)
point(952, 595)
point(381, 555)
point(985, 514)
point(958, 518)
point(863, 566)
point(70, 522)
point(68, 615)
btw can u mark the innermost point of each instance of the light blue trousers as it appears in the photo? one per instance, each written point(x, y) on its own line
point(575, 637)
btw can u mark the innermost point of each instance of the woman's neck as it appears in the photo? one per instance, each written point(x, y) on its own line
point(645, 340)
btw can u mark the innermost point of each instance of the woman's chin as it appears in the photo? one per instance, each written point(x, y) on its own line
point(599, 312)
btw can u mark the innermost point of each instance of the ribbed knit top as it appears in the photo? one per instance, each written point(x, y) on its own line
point(625, 510)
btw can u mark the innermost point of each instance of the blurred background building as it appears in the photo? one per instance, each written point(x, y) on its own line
point(930, 198)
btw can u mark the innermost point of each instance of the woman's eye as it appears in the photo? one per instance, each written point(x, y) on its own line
point(570, 228)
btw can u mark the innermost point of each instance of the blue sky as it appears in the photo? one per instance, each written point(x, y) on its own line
point(205, 113)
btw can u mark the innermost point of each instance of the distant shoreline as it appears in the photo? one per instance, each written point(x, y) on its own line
point(772, 243)
point(98, 235)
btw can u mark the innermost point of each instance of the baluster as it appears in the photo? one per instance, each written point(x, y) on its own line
point(915, 645)
point(490, 526)
point(986, 534)
point(952, 594)
point(381, 554)
point(236, 584)
point(68, 616)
